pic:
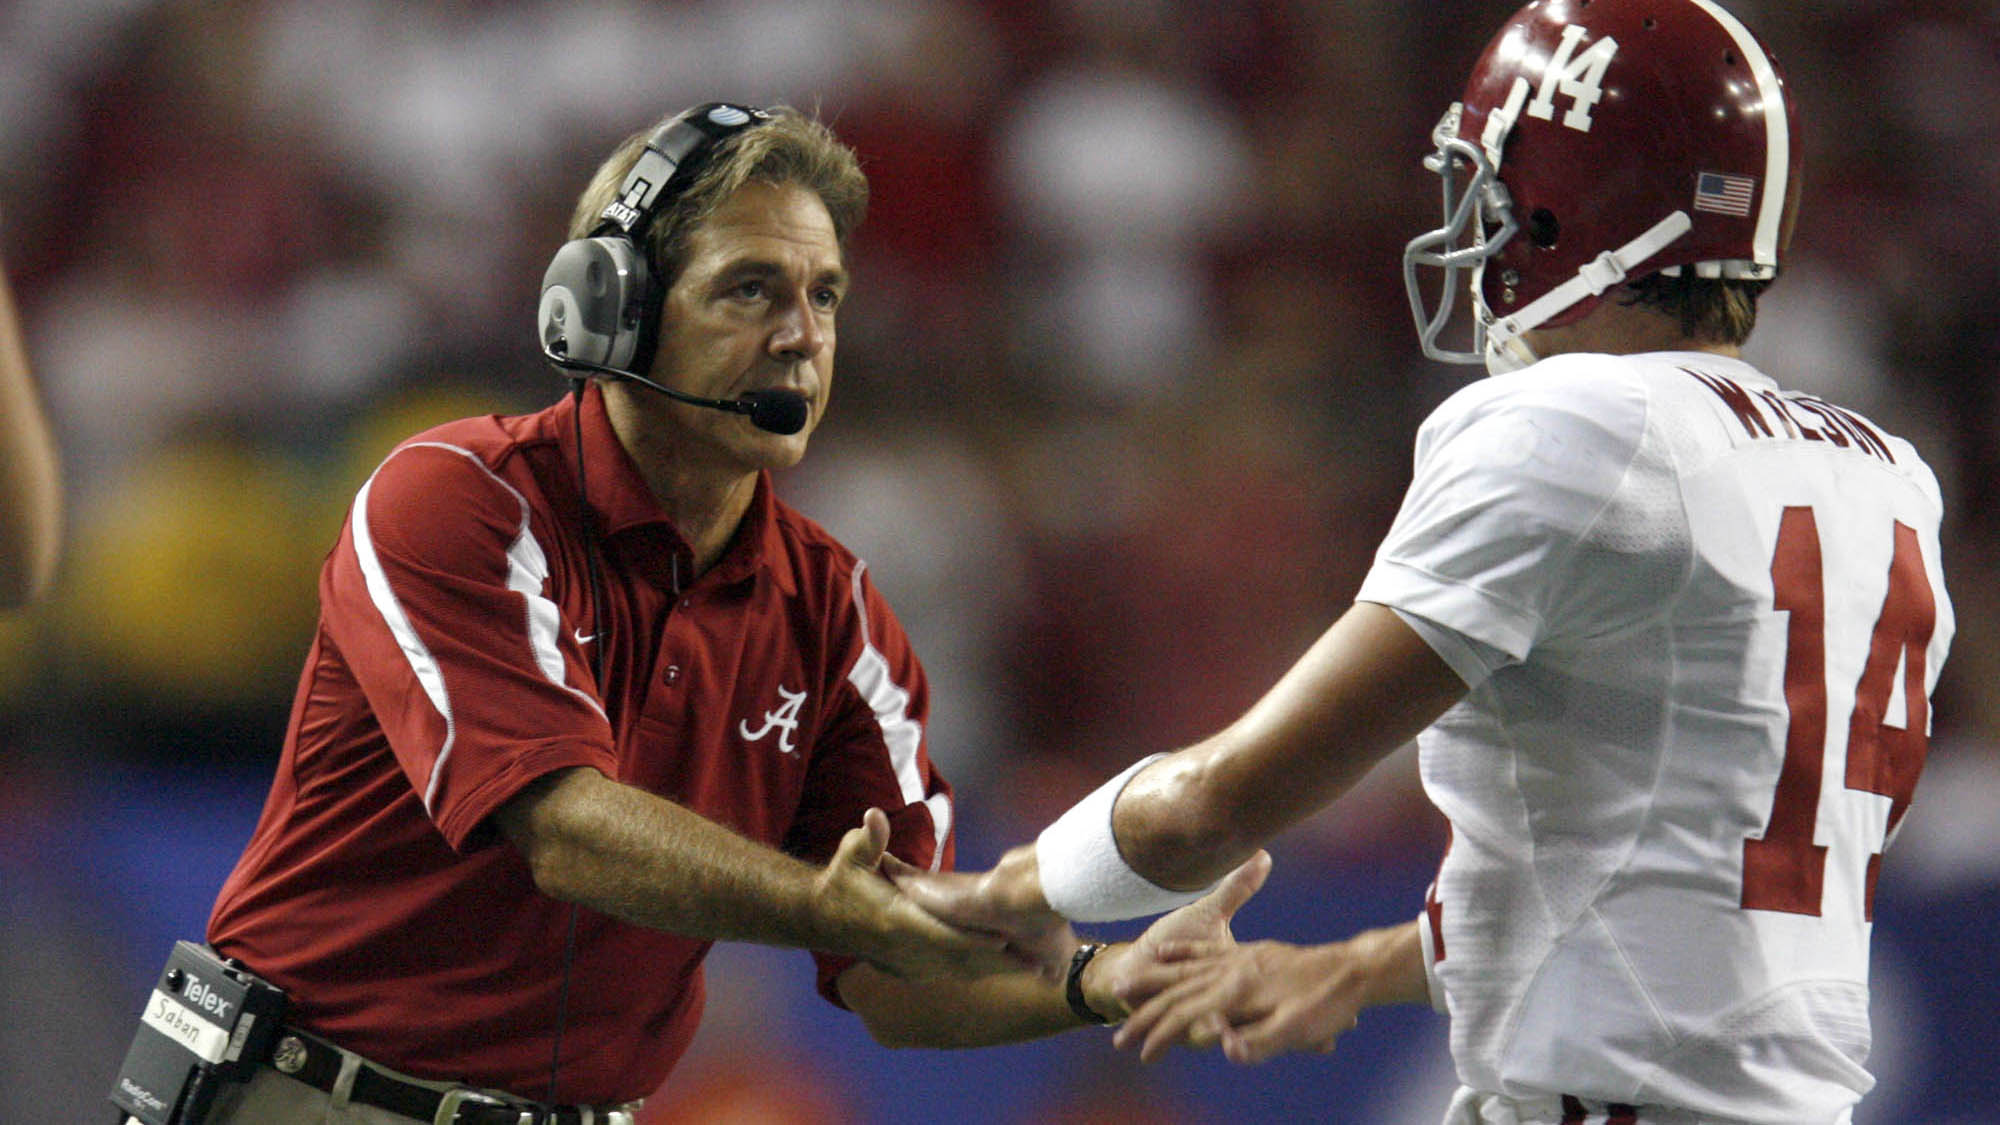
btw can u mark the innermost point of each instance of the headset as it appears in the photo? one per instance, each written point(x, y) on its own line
point(601, 295)
point(600, 307)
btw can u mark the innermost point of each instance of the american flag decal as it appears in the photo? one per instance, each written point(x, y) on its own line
point(1723, 194)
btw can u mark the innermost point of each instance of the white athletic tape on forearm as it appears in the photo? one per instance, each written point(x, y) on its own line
point(1084, 877)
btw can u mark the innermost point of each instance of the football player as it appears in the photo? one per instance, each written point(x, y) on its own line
point(1667, 629)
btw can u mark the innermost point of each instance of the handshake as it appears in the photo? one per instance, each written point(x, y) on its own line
point(1185, 981)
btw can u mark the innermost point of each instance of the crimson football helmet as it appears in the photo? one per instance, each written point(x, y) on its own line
point(1600, 140)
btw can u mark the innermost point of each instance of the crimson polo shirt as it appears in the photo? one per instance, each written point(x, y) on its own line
point(777, 695)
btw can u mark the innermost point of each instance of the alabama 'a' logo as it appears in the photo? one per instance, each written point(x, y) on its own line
point(784, 720)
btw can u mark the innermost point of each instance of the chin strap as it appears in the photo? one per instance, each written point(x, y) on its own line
point(1596, 276)
point(1510, 354)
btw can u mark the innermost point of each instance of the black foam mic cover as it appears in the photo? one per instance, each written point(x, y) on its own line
point(777, 411)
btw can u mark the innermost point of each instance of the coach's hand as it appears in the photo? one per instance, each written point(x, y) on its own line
point(874, 920)
point(1006, 900)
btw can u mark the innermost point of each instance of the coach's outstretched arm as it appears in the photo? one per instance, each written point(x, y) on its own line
point(1160, 834)
point(30, 486)
point(637, 856)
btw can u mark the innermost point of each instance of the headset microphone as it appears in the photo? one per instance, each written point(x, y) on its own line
point(777, 412)
point(773, 411)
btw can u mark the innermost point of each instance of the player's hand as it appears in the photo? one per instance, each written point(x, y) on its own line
point(1006, 900)
point(1125, 976)
point(1256, 1000)
point(871, 918)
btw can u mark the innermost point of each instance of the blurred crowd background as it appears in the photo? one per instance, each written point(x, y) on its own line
point(1126, 391)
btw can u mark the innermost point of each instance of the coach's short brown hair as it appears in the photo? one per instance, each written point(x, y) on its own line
point(791, 148)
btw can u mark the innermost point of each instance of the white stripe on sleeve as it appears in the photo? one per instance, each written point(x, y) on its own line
point(422, 663)
point(527, 569)
point(940, 806)
point(902, 734)
point(891, 704)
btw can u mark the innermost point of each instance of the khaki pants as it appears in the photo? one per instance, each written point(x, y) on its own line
point(271, 1098)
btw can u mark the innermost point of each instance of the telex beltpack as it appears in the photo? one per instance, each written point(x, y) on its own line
point(207, 1022)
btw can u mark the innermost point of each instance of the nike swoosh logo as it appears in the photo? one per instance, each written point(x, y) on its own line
point(582, 639)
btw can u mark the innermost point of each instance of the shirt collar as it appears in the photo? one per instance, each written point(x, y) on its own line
point(620, 500)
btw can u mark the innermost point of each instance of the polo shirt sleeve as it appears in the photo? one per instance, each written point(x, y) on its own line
point(1510, 476)
point(872, 752)
point(437, 596)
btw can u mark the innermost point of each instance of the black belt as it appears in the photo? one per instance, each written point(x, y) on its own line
point(317, 1064)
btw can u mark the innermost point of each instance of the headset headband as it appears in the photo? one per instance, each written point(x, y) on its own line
point(672, 155)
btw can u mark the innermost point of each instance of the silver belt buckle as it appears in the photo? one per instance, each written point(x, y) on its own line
point(447, 1111)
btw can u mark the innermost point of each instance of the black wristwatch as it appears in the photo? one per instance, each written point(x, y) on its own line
point(1073, 985)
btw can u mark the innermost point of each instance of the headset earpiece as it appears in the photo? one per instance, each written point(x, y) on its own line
point(597, 303)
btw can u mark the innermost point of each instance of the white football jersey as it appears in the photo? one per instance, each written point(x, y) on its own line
point(1701, 618)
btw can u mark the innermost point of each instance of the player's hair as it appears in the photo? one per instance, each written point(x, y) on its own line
point(792, 148)
point(1710, 310)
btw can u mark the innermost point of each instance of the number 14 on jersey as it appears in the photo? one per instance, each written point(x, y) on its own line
point(1785, 870)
